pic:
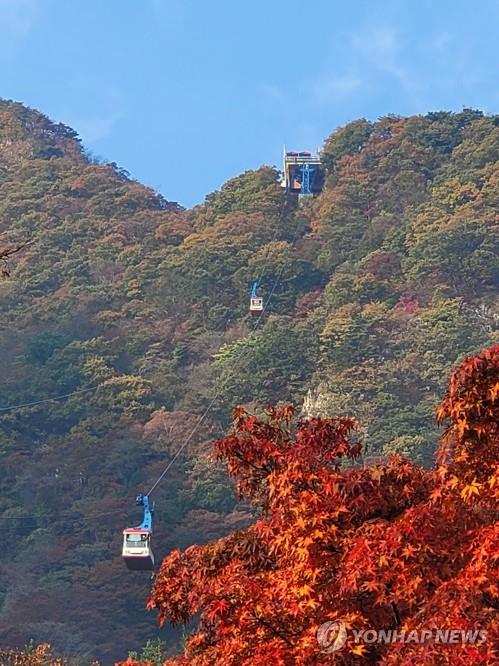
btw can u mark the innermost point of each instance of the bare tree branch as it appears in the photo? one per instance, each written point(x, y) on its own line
point(8, 251)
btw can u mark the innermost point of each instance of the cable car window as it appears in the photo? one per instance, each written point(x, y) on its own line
point(136, 540)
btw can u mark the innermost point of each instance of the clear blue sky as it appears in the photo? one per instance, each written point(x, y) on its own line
point(185, 94)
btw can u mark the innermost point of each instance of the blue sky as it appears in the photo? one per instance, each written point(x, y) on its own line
point(185, 94)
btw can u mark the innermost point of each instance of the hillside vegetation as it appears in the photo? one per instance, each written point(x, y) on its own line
point(379, 286)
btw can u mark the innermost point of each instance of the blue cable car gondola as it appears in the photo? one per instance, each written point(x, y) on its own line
point(256, 302)
point(137, 553)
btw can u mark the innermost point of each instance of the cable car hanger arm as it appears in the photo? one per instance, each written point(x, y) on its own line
point(143, 500)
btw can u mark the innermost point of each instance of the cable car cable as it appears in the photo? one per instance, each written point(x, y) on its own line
point(238, 359)
point(39, 402)
point(142, 558)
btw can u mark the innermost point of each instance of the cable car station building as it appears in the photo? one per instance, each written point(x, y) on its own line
point(303, 174)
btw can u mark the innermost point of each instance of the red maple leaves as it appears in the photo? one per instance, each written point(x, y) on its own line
point(392, 547)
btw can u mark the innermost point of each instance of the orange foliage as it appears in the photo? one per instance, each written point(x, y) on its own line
point(388, 547)
point(41, 655)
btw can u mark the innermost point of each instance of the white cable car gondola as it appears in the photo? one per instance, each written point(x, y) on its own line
point(137, 553)
point(256, 302)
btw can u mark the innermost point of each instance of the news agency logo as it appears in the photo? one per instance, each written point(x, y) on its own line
point(332, 636)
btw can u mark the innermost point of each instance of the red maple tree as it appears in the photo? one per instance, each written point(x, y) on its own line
point(391, 547)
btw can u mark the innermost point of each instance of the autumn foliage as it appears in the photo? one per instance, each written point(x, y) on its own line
point(391, 546)
point(373, 290)
point(40, 655)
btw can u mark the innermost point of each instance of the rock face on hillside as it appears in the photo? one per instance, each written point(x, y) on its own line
point(380, 285)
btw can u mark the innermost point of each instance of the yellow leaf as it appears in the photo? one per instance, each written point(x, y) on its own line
point(472, 489)
point(305, 590)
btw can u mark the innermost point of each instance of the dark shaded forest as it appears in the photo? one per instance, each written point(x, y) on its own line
point(379, 286)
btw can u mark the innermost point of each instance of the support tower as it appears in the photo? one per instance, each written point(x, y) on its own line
point(303, 174)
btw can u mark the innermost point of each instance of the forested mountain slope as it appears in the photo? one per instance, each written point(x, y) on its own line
point(384, 281)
